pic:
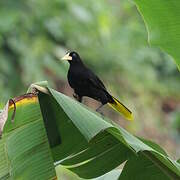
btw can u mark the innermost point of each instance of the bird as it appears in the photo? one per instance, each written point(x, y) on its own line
point(85, 82)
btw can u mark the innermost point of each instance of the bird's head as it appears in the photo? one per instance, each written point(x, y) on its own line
point(72, 57)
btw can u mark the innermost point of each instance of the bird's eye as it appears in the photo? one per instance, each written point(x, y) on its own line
point(74, 55)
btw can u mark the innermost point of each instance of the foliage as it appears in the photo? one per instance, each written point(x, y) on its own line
point(164, 30)
point(79, 139)
point(24, 147)
point(68, 175)
point(111, 38)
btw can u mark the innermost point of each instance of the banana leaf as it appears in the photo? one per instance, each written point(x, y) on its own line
point(51, 129)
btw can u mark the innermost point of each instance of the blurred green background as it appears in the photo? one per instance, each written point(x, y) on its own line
point(111, 38)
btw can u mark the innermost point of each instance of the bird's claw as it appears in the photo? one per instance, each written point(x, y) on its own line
point(75, 96)
point(78, 98)
point(101, 113)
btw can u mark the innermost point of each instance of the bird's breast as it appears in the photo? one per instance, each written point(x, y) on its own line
point(74, 78)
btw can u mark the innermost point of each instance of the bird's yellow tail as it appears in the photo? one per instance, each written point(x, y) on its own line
point(118, 106)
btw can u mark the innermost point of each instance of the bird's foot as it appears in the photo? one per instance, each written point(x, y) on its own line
point(101, 114)
point(98, 110)
point(77, 97)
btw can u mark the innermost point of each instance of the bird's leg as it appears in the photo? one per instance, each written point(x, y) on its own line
point(97, 110)
point(99, 107)
point(77, 97)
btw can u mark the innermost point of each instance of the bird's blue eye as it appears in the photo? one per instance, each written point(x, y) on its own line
point(74, 55)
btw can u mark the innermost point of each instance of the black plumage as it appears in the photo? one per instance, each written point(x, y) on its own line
point(86, 83)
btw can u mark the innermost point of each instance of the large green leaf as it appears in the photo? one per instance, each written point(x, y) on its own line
point(99, 146)
point(63, 173)
point(162, 21)
point(24, 147)
point(77, 138)
point(139, 168)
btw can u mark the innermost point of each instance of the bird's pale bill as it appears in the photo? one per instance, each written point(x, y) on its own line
point(67, 57)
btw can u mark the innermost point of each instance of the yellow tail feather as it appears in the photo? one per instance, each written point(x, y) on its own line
point(118, 106)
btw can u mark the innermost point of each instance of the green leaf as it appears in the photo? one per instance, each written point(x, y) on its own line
point(154, 146)
point(24, 147)
point(162, 22)
point(178, 161)
point(92, 153)
point(140, 167)
point(71, 139)
point(92, 124)
point(98, 146)
point(76, 137)
point(4, 169)
point(113, 175)
point(66, 174)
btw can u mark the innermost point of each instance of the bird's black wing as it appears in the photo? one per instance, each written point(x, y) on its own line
point(95, 81)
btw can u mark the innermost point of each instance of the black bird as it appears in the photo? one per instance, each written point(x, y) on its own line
point(86, 83)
